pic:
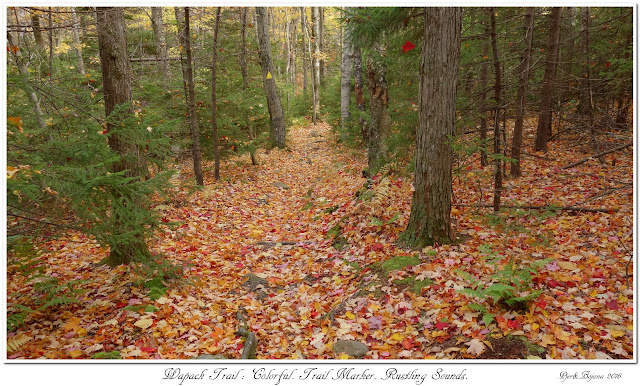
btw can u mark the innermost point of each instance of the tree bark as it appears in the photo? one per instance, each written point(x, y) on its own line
point(321, 44)
point(245, 75)
point(276, 113)
point(161, 40)
point(184, 36)
point(304, 48)
point(214, 102)
point(525, 59)
point(315, 14)
point(380, 125)
point(484, 80)
point(358, 89)
point(24, 72)
point(497, 179)
point(542, 134)
point(76, 41)
point(586, 94)
point(430, 219)
point(346, 69)
point(116, 77)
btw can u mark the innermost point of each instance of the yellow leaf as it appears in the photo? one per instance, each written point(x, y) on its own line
point(143, 323)
point(547, 340)
point(535, 326)
point(569, 266)
point(617, 333)
point(269, 75)
point(344, 356)
point(75, 353)
point(395, 338)
point(350, 315)
point(81, 332)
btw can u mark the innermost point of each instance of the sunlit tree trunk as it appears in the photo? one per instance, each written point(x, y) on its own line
point(161, 40)
point(76, 41)
point(304, 49)
point(346, 70)
point(315, 14)
point(276, 113)
point(430, 219)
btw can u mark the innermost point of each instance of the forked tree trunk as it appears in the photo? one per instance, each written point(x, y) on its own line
point(76, 41)
point(24, 72)
point(276, 113)
point(116, 78)
point(544, 118)
point(161, 40)
point(184, 37)
point(214, 102)
point(430, 219)
point(525, 59)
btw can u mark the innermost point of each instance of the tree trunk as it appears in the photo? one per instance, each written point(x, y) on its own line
point(358, 89)
point(497, 180)
point(161, 40)
point(586, 94)
point(76, 41)
point(380, 125)
point(37, 35)
point(321, 44)
point(24, 72)
point(346, 69)
point(525, 59)
point(184, 36)
point(116, 78)
point(50, 49)
point(245, 75)
point(430, 219)
point(315, 14)
point(542, 135)
point(484, 80)
point(304, 48)
point(276, 113)
point(214, 103)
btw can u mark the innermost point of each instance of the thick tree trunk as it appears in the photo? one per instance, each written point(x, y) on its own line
point(430, 219)
point(358, 89)
point(184, 37)
point(245, 75)
point(525, 59)
point(22, 69)
point(315, 14)
point(346, 69)
point(276, 113)
point(76, 41)
point(116, 78)
point(161, 40)
point(484, 81)
point(214, 102)
point(497, 178)
point(380, 125)
point(542, 134)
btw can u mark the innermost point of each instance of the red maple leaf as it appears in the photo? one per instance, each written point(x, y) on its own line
point(408, 46)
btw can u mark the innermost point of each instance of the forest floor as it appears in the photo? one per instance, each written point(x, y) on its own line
point(306, 252)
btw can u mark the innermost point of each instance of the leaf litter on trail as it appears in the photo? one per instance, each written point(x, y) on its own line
point(317, 249)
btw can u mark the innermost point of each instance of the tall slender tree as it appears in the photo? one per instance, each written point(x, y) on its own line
point(274, 105)
point(315, 15)
point(380, 124)
point(346, 70)
point(184, 36)
point(548, 81)
point(497, 90)
point(525, 59)
point(77, 45)
point(430, 219)
point(214, 101)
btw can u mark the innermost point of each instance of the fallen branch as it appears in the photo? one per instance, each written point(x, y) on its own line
point(251, 342)
point(617, 148)
point(543, 207)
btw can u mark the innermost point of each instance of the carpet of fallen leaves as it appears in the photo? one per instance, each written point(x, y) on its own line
point(275, 221)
